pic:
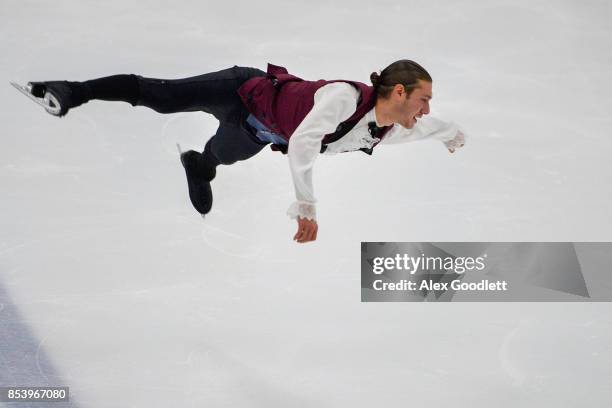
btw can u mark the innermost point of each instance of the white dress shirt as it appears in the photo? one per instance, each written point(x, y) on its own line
point(334, 103)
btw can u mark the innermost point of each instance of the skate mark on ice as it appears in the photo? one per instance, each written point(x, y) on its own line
point(256, 253)
point(37, 359)
point(206, 236)
point(516, 374)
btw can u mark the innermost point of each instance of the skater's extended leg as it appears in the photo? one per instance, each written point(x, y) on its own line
point(213, 92)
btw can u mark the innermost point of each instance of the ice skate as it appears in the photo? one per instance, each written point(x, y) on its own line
point(199, 175)
point(57, 97)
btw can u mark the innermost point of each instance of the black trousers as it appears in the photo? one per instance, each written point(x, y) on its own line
point(214, 93)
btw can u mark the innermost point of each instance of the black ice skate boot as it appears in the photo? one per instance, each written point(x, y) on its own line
point(61, 96)
point(200, 173)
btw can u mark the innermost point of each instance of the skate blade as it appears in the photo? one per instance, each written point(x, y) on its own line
point(180, 152)
point(49, 102)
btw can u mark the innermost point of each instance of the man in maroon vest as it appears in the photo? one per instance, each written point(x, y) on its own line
point(296, 117)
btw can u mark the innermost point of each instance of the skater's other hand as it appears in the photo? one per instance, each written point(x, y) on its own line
point(456, 143)
point(307, 230)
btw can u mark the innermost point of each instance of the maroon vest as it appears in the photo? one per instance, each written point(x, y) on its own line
point(281, 101)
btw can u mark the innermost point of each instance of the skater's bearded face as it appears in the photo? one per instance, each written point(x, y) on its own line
point(411, 107)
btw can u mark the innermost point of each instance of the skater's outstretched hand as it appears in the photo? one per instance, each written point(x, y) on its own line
point(456, 143)
point(307, 230)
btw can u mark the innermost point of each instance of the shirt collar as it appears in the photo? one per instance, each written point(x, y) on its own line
point(371, 117)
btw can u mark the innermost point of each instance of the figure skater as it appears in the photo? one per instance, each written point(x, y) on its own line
point(296, 117)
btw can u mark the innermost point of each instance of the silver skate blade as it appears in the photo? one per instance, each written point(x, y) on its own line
point(180, 152)
point(45, 102)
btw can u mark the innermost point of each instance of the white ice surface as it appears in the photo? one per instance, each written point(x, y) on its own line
point(112, 285)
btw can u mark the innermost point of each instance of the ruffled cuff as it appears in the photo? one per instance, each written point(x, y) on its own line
point(302, 209)
point(456, 142)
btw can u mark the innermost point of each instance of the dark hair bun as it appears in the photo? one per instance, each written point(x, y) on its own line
point(375, 78)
